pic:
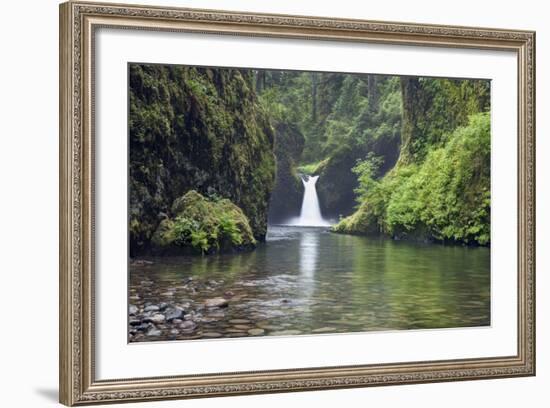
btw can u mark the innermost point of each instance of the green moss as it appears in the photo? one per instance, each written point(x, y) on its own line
point(310, 169)
point(444, 198)
point(204, 226)
point(197, 129)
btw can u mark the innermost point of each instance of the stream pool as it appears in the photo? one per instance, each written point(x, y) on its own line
point(307, 280)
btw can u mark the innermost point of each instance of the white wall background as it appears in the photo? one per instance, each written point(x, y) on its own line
point(28, 207)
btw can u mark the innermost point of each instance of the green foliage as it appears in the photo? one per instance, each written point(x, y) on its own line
point(445, 198)
point(366, 171)
point(204, 226)
point(310, 169)
point(435, 107)
point(186, 125)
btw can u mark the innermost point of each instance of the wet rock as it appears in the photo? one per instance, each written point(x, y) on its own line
point(216, 302)
point(134, 322)
point(151, 308)
point(143, 326)
point(211, 335)
point(242, 327)
point(177, 321)
point(256, 332)
point(174, 332)
point(167, 294)
point(163, 306)
point(188, 325)
point(237, 334)
point(324, 330)
point(158, 318)
point(239, 321)
point(286, 333)
point(228, 294)
point(217, 314)
point(153, 331)
point(233, 330)
point(173, 313)
point(267, 326)
point(132, 309)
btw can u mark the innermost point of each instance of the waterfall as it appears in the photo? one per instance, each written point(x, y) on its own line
point(310, 215)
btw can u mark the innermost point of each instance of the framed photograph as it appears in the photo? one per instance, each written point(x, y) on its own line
point(256, 203)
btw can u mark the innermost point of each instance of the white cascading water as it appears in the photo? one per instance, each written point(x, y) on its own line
point(310, 215)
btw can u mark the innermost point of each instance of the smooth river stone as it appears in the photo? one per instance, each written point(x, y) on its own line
point(256, 332)
point(267, 326)
point(153, 331)
point(242, 326)
point(211, 335)
point(239, 321)
point(151, 308)
point(233, 330)
point(324, 330)
point(132, 309)
point(216, 302)
point(285, 333)
point(158, 318)
point(237, 334)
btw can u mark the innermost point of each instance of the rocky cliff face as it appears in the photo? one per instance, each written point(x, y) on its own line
point(433, 108)
point(185, 126)
point(286, 199)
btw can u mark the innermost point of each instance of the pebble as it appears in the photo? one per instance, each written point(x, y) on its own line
point(256, 332)
point(239, 321)
point(242, 327)
point(173, 313)
point(216, 302)
point(132, 309)
point(153, 331)
point(236, 334)
point(188, 325)
point(211, 335)
point(286, 333)
point(324, 330)
point(152, 308)
point(158, 318)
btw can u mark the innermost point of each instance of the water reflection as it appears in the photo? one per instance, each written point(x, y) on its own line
point(309, 280)
point(309, 245)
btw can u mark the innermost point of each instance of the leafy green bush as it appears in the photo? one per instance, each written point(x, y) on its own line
point(445, 198)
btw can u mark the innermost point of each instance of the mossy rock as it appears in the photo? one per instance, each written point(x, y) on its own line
point(199, 129)
point(203, 226)
point(286, 197)
point(362, 222)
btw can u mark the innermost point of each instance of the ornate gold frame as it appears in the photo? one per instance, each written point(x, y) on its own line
point(78, 21)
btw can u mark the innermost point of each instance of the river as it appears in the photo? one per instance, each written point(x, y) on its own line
point(307, 280)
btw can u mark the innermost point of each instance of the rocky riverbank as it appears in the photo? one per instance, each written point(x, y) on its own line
point(203, 309)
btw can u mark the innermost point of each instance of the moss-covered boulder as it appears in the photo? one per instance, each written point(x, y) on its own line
point(203, 226)
point(197, 129)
